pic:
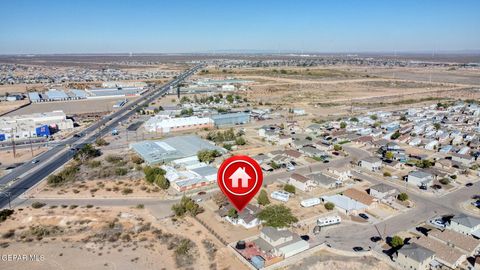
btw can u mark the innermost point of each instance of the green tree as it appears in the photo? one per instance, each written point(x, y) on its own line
point(403, 118)
point(278, 216)
point(437, 126)
point(162, 182)
point(289, 188)
point(207, 156)
point(274, 165)
point(240, 141)
point(87, 152)
point(343, 125)
point(337, 147)
point(230, 98)
point(329, 206)
point(232, 213)
point(395, 135)
point(354, 119)
point(425, 163)
point(263, 198)
point(374, 117)
point(402, 196)
point(396, 241)
point(151, 173)
point(186, 205)
point(444, 181)
point(389, 155)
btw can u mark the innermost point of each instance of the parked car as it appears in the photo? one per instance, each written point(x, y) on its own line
point(375, 238)
point(438, 222)
point(364, 216)
point(357, 249)
point(201, 193)
point(469, 184)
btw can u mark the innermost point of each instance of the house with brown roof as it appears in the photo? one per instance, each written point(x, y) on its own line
point(292, 154)
point(359, 196)
point(445, 255)
point(455, 240)
point(301, 182)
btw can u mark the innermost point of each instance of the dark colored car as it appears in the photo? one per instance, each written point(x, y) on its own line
point(364, 216)
point(375, 238)
point(357, 249)
point(469, 184)
point(305, 237)
point(201, 193)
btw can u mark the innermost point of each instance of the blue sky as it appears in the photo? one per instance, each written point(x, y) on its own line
point(87, 26)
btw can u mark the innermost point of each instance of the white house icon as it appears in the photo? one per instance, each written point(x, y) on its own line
point(240, 174)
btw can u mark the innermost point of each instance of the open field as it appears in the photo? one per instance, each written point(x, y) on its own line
point(113, 238)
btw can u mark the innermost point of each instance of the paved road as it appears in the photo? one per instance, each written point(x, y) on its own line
point(347, 236)
point(17, 181)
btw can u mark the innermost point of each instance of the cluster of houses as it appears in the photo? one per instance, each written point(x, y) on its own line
point(455, 247)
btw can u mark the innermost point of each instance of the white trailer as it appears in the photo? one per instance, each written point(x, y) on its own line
point(280, 195)
point(327, 221)
point(310, 202)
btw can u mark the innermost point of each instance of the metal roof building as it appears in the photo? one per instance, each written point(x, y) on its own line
point(154, 152)
point(230, 119)
point(54, 94)
point(34, 96)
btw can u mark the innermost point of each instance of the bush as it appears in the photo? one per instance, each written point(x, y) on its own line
point(5, 213)
point(240, 141)
point(329, 206)
point(121, 171)
point(289, 188)
point(396, 242)
point(444, 181)
point(94, 163)
point(337, 147)
point(186, 205)
point(114, 159)
point(387, 174)
point(162, 182)
point(127, 191)
point(136, 159)
point(207, 156)
point(101, 142)
point(263, 198)
point(140, 206)
point(402, 197)
point(37, 205)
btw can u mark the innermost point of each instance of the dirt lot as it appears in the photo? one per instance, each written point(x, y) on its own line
point(113, 238)
point(326, 260)
point(71, 107)
point(22, 155)
point(7, 106)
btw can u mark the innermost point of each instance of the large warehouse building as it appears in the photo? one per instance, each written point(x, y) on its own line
point(230, 119)
point(33, 125)
point(165, 124)
point(155, 152)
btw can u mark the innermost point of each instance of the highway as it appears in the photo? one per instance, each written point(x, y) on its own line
point(19, 179)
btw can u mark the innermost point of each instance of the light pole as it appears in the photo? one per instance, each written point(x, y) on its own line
point(8, 195)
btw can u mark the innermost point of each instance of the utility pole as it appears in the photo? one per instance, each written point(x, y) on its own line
point(31, 147)
point(8, 195)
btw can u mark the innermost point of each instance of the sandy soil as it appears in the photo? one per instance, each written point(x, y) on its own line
point(7, 106)
point(22, 155)
point(113, 238)
point(325, 260)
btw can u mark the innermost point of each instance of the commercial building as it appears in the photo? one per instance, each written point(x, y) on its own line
point(230, 119)
point(164, 124)
point(115, 92)
point(33, 125)
point(169, 149)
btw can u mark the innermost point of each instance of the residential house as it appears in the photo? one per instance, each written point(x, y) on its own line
point(246, 218)
point(371, 163)
point(280, 242)
point(301, 182)
point(420, 178)
point(414, 257)
point(464, 243)
point(382, 191)
point(465, 224)
point(312, 152)
point(445, 255)
point(465, 160)
point(359, 196)
point(323, 180)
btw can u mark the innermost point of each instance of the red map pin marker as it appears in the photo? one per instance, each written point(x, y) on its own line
point(240, 178)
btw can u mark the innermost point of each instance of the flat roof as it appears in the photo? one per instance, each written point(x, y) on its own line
point(172, 148)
